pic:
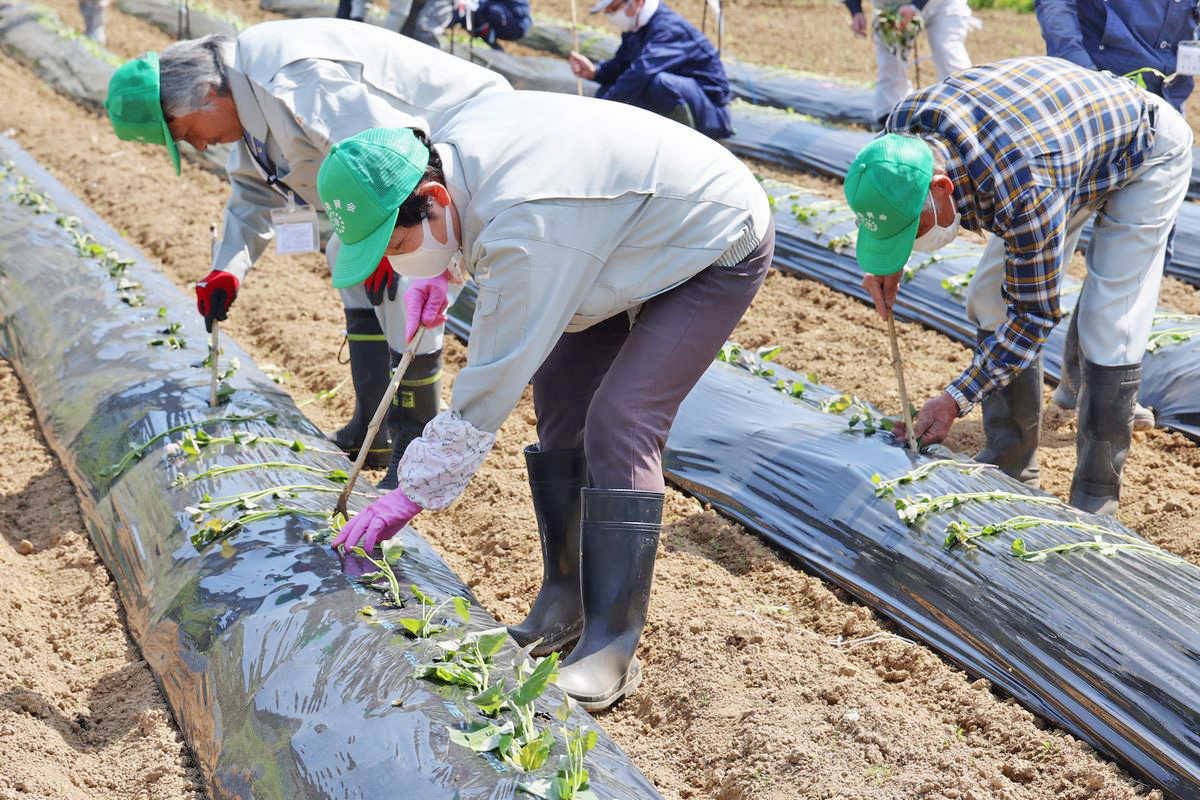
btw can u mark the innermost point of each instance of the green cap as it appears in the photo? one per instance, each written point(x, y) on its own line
point(362, 183)
point(134, 106)
point(886, 187)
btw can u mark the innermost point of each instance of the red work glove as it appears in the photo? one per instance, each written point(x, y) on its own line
point(425, 303)
point(383, 278)
point(214, 295)
point(378, 522)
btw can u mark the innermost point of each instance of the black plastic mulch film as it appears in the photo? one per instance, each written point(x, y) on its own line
point(282, 688)
point(1104, 647)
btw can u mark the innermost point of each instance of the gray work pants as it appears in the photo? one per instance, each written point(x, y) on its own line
point(614, 388)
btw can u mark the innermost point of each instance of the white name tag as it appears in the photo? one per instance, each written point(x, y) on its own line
point(1188, 58)
point(295, 230)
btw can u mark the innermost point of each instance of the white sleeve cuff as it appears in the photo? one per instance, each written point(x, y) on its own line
point(440, 463)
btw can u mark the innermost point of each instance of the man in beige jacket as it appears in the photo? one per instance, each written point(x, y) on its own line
point(282, 93)
point(611, 268)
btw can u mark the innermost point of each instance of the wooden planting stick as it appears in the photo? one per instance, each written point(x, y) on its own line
point(575, 33)
point(214, 342)
point(377, 419)
point(899, 367)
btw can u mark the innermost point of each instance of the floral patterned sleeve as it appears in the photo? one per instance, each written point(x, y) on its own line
point(439, 464)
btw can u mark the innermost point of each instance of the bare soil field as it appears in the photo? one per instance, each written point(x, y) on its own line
point(756, 686)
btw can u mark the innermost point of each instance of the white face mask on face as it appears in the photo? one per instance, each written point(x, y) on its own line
point(432, 258)
point(622, 21)
point(939, 235)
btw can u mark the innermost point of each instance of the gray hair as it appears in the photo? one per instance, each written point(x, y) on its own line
point(188, 70)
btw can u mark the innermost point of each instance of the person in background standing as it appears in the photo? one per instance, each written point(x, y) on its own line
point(95, 14)
point(1123, 37)
point(946, 23)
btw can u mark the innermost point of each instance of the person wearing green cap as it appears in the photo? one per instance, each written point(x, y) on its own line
point(610, 271)
point(1030, 149)
point(282, 93)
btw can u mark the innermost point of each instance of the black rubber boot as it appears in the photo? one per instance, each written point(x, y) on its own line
point(1104, 431)
point(1012, 424)
point(555, 480)
point(368, 372)
point(619, 536)
point(417, 401)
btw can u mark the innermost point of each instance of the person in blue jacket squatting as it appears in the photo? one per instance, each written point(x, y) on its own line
point(664, 65)
point(1121, 37)
point(492, 20)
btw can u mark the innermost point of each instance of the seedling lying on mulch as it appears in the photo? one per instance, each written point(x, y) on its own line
point(334, 475)
point(887, 488)
point(962, 533)
point(956, 285)
point(194, 441)
point(168, 336)
point(1098, 544)
point(136, 452)
point(218, 528)
point(1164, 337)
point(914, 509)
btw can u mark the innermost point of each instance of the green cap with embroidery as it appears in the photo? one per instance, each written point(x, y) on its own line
point(362, 183)
point(135, 108)
point(886, 187)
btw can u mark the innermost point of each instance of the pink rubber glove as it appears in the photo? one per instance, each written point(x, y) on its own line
point(378, 522)
point(425, 303)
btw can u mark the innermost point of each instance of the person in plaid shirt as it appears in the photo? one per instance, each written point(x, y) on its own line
point(1029, 149)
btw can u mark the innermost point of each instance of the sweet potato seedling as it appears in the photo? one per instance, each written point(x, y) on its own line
point(424, 626)
point(467, 662)
point(896, 39)
point(914, 509)
point(519, 742)
point(384, 566)
point(570, 781)
point(887, 488)
point(333, 475)
point(136, 452)
point(218, 528)
point(1097, 543)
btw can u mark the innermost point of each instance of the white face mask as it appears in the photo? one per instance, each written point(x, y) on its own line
point(939, 235)
point(432, 258)
point(622, 21)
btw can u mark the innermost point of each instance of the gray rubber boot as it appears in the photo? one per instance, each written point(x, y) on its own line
point(682, 114)
point(368, 372)
point(619, 536)
point(1066, 396)
point(417, 401)
point(1103, 434)
point(1012, 424)
point(555, 480)
point(95, 17)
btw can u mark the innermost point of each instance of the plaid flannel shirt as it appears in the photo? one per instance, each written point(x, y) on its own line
point(1028, 143)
